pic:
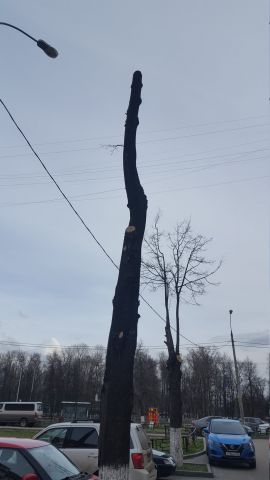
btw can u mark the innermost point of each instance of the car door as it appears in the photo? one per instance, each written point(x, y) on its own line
point(81, 446)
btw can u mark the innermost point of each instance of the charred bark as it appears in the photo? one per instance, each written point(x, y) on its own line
point(174, 377)
point(117, 390)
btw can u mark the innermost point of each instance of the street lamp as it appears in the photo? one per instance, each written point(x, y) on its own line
point(230, 312)
point(48, 49)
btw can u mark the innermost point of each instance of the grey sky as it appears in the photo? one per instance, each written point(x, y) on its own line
point(203, 152)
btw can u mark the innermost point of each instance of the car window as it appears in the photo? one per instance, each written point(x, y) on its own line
point(21, 407)
point(143, 438)
point(230, 428)
point(13, 465)
point(55, 464)
point(82, 437)
point(55, 436)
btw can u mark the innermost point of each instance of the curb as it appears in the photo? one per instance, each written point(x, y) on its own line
point(193, 455)
point(186, 473)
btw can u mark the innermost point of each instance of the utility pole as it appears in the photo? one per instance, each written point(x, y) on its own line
point(19, 384)
point(269, 384)
point(238, 385)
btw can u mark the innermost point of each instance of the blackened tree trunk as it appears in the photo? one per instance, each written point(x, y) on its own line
point(117, 390)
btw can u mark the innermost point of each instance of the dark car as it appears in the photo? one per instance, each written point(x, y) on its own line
point(227, 440)
point(165, 463)
point(248, 429)
point(253, 422)
point(25, 459)
point(202, 423)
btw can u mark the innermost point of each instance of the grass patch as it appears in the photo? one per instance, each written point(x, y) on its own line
point(194, 467)
point(19, 432)
point(195, 447)
point(163, 444)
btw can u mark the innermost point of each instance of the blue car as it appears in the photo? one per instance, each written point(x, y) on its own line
point(227, 440)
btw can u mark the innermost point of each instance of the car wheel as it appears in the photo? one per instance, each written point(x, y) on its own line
point(211, 461)
point(23, 422)
point(252, 464)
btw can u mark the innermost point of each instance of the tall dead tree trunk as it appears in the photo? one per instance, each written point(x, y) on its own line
point(117, 390)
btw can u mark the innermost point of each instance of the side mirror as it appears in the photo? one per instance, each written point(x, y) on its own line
point(206, 430)
point(30, 476)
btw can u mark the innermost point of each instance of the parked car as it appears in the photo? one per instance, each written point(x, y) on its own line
point(227, 440)
point(79, 441)
point(253, 422)
point(24, 459)
point(202, 423)
point(22, 413)
point(263, 428)
point(248, 430)
point(165, 464)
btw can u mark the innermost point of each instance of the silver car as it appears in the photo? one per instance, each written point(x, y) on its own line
point(79, 441)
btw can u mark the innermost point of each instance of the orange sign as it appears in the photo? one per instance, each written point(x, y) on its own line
point(152, 416)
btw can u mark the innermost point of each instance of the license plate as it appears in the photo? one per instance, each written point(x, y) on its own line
point(233, 454)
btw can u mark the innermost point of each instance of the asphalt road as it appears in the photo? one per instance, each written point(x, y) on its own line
point(241, 472)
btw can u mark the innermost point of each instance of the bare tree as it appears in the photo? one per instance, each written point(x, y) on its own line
point(176, 263)
point(117, 390)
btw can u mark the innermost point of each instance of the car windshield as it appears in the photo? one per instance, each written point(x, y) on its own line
point(231, 428)
point(55, 464)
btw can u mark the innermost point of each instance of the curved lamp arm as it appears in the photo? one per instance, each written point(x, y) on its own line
point(48, 49)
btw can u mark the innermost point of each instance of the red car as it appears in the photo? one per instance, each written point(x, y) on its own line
point(25, 459)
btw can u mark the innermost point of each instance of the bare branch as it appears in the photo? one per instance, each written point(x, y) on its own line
point(112, 148)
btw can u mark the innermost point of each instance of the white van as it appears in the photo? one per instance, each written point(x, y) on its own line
point(79, 442)
point(22, 413)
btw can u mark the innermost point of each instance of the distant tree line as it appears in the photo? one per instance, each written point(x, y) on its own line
point(76, 374)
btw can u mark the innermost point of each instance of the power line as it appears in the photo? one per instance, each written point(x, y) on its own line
point(87, 139)
point(175, 167)
point(101, 347)
point(57, 186)
point(88, 196)
point(202, 133)
point(73, 208)
point(142, 141)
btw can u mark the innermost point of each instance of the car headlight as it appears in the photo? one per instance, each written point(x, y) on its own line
point(249, 445)
point(213, 444)
point(168, 461)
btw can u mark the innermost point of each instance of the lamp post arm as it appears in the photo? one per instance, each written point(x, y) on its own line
point(48, 49)
point(19, 30)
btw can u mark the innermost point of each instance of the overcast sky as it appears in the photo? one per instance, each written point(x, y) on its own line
point(203, 153)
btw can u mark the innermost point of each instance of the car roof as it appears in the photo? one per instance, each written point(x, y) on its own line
point(74, 424)
point(24, 443)
point(83, 424)
point(222, 420)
